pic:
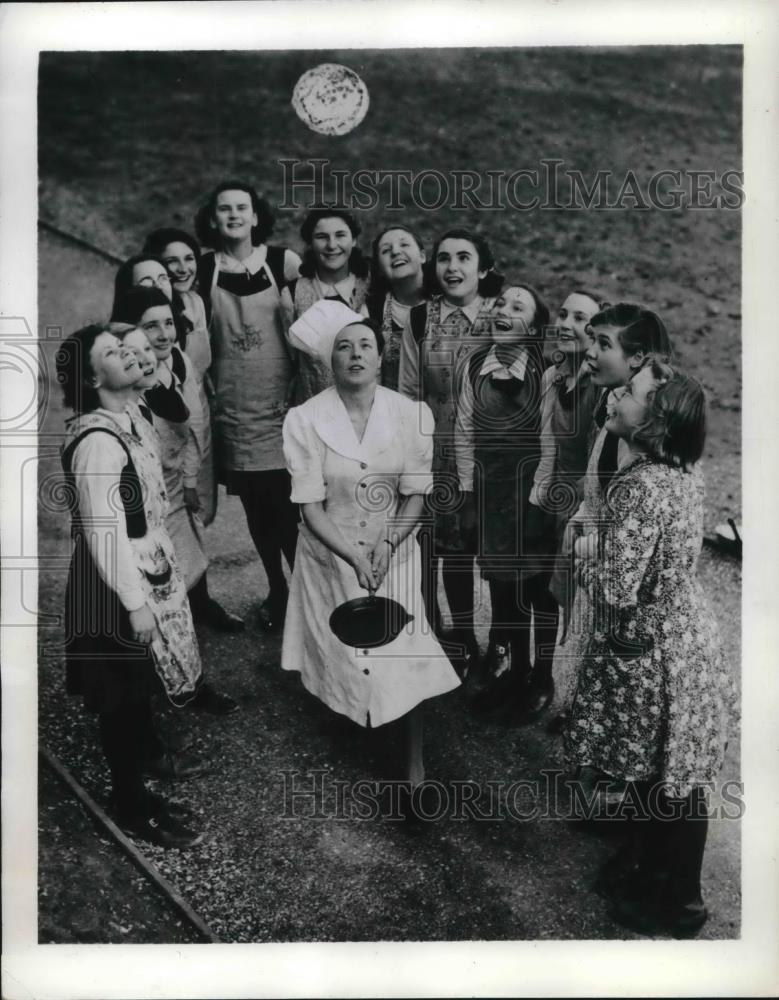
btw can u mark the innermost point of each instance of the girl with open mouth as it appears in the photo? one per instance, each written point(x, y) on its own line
point(437, 341)
point(400, 279)
point(333, 267)
point(498, 449)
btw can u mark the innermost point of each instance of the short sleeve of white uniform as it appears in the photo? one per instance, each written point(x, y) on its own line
point(304, 454)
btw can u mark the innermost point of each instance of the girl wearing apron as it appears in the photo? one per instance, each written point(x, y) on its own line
point(243, 283)
point(128, 628)
point(180, 255)
point(175, 404)
point(333, 268)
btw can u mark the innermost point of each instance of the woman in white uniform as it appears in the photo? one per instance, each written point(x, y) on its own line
point(359, 456)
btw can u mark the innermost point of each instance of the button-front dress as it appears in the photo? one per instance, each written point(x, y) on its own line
point(362, 483)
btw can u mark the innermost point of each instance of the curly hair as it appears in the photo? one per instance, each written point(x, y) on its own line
point(73, 366)
point(358, 264)
point(205, 228)
point(674, 428)
point(492, 282)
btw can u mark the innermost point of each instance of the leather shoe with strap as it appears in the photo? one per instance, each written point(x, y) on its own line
point(208, 699)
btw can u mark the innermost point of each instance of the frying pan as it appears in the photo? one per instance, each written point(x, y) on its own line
point(369, 621)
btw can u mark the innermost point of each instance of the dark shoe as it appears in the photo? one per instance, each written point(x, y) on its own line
point(177, 811)
point(558, 724)
point(224, 621)
point(622, 877)
point(646, 915)
point(271, 614)
point(176, 767)
point(163, 830)
point(538, 698)
point(208, 699)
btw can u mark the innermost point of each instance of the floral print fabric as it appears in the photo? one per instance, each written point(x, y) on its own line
point(660, 710)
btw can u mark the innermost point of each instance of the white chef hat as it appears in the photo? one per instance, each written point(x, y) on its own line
point(315, 331)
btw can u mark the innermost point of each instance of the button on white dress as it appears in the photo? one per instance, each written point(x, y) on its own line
point(361, 483)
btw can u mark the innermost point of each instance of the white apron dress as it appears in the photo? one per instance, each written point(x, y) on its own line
point(122, 553)
point(361, 484)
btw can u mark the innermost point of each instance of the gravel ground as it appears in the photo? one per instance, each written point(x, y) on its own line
point(261, 874)
point(110, 902)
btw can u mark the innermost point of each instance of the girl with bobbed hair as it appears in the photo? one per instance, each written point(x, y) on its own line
point(148, 271)
point(498, 446)
point(622, 339)
point(128, 628)
point(244, 283)
point(333, 268)
point(568, 400)
point(654, 692)
point(437, 339)
point(400, 279)
point(180, 255)
point(178, 417)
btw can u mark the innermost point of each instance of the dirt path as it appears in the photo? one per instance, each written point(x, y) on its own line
point(265, 873)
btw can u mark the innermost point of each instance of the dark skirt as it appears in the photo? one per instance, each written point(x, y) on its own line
point(517, 539)
point(104, 664)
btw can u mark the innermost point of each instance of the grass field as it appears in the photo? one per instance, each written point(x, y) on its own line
point(130, 141)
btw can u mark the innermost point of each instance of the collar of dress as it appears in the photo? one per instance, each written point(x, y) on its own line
point(250, 264)
point(343, 289)
point(472, 310)
point(332, 424)
point(493, 366)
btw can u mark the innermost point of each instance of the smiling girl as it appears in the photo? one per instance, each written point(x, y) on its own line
point(622, 338)
point(399, 280)
point(333, 268)
point(654, 692)
point(437, 340)
point(174, 402)
point(127, 620)
point(498, 448)
point(244, 286)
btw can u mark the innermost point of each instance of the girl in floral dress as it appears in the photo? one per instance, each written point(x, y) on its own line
point(128, 627)
point(438, 338)
point(399, 281)
point(654, 692)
